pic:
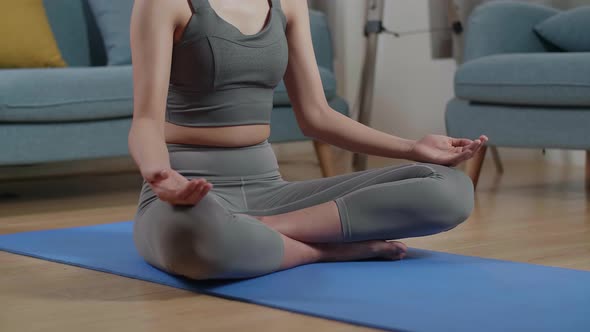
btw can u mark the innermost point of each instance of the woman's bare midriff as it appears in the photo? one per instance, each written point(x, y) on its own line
point(228, 136)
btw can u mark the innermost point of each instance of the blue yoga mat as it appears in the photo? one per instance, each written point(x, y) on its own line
point(427, 291)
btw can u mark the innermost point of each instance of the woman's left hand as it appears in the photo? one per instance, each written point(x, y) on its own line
point(444, 150)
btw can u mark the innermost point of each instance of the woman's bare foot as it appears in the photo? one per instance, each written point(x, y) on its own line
point(350, 251)
point(392, 250)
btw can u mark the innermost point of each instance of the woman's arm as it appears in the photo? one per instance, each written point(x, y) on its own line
point(318, 120)
point(152, 36)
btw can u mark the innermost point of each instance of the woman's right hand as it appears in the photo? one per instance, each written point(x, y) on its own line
point(174, 188)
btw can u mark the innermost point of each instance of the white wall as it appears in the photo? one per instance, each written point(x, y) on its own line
point(346, 20)
point(411, 89)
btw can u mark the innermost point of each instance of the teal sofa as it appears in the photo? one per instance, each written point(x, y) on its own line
point(515, 87)
point(84, 111)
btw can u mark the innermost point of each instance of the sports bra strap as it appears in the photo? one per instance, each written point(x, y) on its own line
point(196, 4)
point(276, 4)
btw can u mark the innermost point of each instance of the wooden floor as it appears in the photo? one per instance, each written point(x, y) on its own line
point(535, 212)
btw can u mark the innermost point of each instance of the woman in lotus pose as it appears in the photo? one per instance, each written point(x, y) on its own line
point(213, 203)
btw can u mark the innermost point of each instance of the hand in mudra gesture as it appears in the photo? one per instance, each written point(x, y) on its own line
point(444, 150)
point(174, 188)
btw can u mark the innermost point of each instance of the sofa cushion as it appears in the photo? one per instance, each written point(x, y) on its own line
point(113, 18)
point(567, 30)
point(558, 79)
point(498, 27)
point(281, 98)
point(76, 32)
point(65, 94)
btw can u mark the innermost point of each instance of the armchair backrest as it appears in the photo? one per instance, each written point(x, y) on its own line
point(321, 38)
point(505, 27)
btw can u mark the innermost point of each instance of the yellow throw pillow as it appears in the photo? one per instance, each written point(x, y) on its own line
point(26, 39)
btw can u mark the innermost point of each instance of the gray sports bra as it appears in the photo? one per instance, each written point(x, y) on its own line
point(222, 77)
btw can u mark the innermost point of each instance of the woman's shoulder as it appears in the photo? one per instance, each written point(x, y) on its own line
point(169, 12)
point(292, 9)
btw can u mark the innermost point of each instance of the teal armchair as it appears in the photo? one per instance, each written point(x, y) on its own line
point(84, 111)
point(515, 87)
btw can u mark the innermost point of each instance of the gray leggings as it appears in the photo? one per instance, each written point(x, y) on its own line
point(216, 239)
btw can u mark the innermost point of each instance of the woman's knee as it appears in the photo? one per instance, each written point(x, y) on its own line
point(451, 195)
point(207, 241)
point(179, 240)
point(231, 248)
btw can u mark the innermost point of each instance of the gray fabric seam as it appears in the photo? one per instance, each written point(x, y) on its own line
point(228, 123)
point(81, 101)
point(243, 193)
point(348, 227)
point(246, 44)
point(214, 58)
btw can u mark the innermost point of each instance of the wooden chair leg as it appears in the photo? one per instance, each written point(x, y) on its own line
point(588, 169)
point(474, 165)
point(497, 160)
point(323, 152)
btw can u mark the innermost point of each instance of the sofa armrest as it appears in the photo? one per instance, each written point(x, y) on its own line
point(321, 38)
point(504, 27)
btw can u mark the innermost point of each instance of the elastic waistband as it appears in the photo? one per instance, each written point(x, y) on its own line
point(175, 147)
point(223, 162)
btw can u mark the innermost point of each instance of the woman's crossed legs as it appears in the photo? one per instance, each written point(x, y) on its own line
point(285, 224)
